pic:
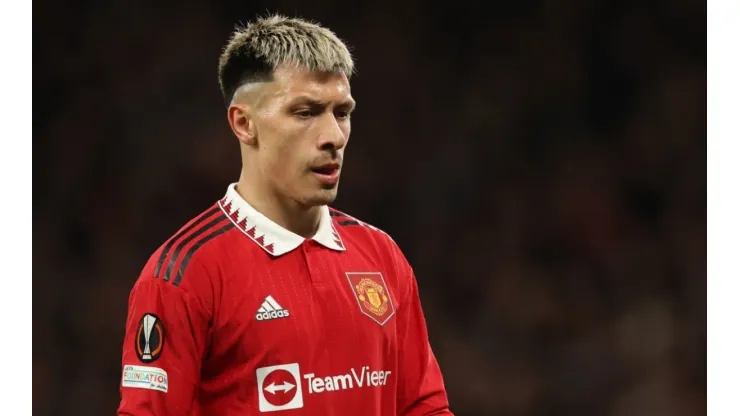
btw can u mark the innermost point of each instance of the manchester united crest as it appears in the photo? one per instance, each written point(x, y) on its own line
point(372, 295)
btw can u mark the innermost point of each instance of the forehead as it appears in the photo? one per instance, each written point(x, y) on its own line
point(292, 81)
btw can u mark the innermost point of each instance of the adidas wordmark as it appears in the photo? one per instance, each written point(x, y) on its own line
point(270, 309)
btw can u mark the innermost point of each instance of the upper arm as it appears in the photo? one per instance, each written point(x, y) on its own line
point(165, 340)
point(421, 389)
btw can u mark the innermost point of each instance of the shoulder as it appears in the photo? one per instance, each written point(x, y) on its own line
point(355, 227)
point(187, 253)
point(368, 238)
point(365, 234)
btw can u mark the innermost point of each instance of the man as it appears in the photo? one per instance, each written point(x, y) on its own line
point(270, 301)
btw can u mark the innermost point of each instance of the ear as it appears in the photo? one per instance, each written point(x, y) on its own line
point(241, 120)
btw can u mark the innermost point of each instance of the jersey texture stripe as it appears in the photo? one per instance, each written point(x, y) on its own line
point(179, 235)
point(202, 230)
point(195, 247)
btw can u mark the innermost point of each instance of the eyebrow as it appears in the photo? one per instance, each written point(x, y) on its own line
point(304, 99)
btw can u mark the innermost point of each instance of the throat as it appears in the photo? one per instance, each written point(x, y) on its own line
point(302, 222)
point(297, 218)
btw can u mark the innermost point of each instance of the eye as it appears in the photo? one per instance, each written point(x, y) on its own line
point(305, 113)
point(342, 114)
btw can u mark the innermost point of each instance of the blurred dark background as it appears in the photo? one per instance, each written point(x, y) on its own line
point(542, 164)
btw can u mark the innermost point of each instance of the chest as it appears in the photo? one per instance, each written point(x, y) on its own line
point(313, 306)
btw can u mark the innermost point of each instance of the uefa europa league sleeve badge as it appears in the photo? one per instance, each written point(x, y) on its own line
point(149, 338)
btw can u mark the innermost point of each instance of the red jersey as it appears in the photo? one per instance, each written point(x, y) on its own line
point(235, 315)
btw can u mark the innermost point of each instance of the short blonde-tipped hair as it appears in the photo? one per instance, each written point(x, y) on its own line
point(257, 49)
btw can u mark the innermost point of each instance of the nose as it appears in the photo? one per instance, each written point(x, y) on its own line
point(332, 137)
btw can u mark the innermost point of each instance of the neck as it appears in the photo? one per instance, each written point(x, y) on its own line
point(289, 214)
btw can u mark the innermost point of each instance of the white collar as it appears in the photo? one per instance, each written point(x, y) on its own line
point(272, 237)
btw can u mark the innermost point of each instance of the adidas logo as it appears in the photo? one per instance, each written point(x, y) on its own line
point(270, 309)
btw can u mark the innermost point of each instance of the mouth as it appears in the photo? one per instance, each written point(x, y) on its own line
point(327, 173)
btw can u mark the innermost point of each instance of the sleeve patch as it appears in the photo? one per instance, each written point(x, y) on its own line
point(141, 377)
point(149, 338)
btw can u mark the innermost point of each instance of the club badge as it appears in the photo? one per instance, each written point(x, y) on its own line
point(372, 296)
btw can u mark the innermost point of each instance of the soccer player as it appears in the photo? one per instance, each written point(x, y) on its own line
point(269, 300)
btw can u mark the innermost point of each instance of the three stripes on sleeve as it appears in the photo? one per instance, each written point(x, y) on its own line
point(206, 227)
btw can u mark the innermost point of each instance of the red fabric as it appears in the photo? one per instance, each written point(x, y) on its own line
point(348, 363)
